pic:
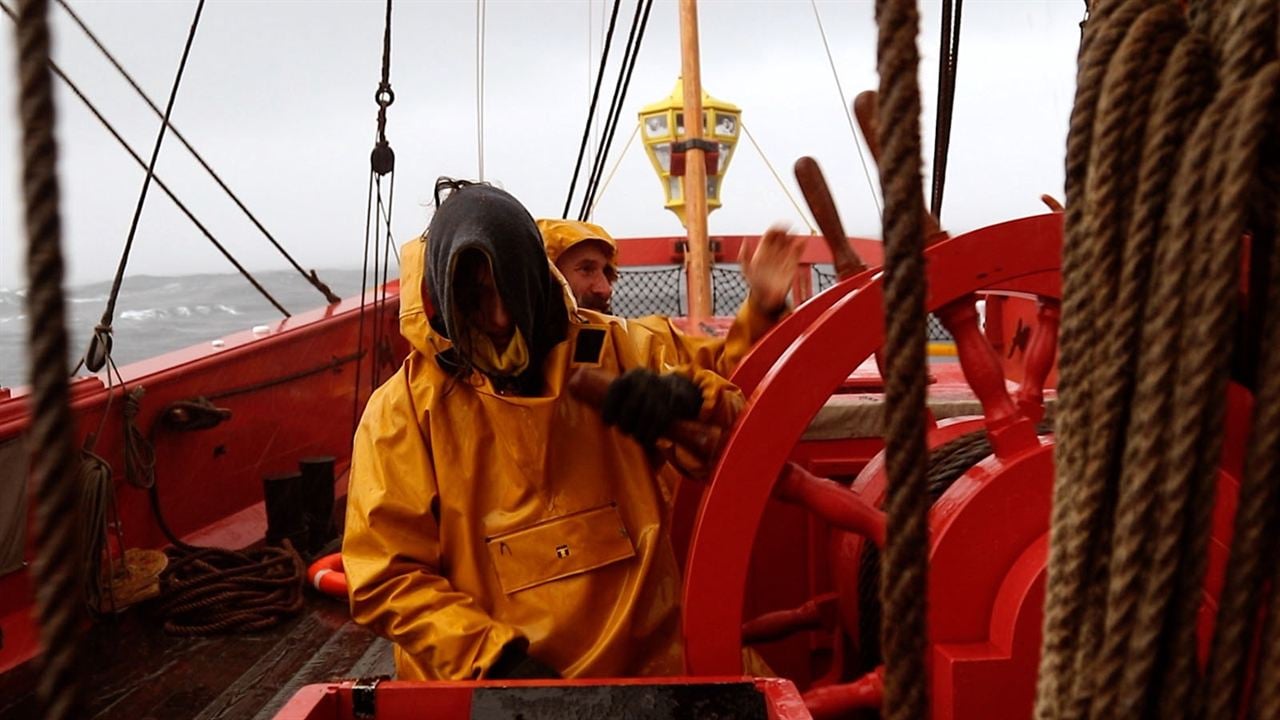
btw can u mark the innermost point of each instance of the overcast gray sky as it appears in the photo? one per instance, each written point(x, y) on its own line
point(278, 97)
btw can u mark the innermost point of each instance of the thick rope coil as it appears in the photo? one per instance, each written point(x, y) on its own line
point(1076, 497)
point(1133, 510)
point(1114, 160)
point(1182, 94)
point(904, 572)
point(52, 457)
point(212, 591)
point(1255, 525)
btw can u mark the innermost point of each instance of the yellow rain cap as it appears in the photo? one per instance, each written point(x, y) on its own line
point(560, 235)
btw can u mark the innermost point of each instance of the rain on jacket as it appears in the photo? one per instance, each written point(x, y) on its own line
point(476, 519)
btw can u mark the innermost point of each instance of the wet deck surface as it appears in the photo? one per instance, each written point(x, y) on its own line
point(136, 671)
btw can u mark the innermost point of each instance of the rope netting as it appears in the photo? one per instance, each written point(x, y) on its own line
point(653, 291)
point(1170, 173)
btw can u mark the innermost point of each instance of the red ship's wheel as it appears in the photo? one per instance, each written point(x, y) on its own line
point(826, 340)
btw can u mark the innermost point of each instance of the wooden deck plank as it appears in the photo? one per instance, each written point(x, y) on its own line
point(134, 670)
point(333, 662)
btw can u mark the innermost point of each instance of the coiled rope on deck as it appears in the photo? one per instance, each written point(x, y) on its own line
point(1172, 133)
point(209, 590)
point(904, 571)
point(49, 436)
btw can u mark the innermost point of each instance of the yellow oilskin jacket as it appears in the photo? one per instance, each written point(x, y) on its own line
point(475, 519)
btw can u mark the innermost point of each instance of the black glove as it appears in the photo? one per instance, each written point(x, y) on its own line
point(643, 403)
point(515, 663)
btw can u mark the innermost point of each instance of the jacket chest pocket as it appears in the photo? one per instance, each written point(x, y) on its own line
point(560, 547)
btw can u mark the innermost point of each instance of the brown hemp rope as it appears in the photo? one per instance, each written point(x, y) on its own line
point(904, 570)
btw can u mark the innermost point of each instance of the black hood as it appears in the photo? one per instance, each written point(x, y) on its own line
point(484, 218)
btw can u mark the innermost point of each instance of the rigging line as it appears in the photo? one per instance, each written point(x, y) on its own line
point(480, 29)
point(948, 57)
point(591, 110)
point(848, 115)
point(593, 175)
point(611, 125)
point(777, 177)
point(99, 350)
point(364, 289)
point(629, 55)
point(386, 276)
point(596, 200)
point(84, 99)
point(377, 288)
point(110, 310)
point(315, 281)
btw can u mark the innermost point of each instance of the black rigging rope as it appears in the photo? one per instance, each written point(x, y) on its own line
point(629, 56)
point(591, 110)
point(948, 57)
point(382, 162)
point(75, 89)
point(100, 345)
point(311, 277)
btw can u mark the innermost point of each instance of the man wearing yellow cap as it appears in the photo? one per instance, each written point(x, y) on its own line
point(586, 255)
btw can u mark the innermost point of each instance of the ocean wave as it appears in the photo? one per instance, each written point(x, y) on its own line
point(148, 314)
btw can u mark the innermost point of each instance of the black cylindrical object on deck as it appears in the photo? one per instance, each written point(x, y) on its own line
point(284, 497)
point(317, 484)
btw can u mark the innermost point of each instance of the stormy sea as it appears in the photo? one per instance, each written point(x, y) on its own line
point(157, 314)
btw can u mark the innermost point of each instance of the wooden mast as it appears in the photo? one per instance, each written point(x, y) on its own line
point(698, 255)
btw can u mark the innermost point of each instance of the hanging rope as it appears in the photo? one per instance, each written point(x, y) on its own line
point(100, 345)
point(480, 33)
point(137, 158)
point(56, 570)
point(591, 108)
point(312, 277)
point(1171, 159)
point(377, 216)
point(948, 58)
point(844, 105)
point(904, 571)
point(803, 218)
point(629, 56)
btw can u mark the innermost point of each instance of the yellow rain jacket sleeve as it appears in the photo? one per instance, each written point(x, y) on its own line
point(476, 519)
point(720, 355)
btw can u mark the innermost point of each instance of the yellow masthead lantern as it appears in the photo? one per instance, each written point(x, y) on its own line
point(662, 126)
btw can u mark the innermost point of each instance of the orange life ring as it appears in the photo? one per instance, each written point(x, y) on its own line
point(325, 575)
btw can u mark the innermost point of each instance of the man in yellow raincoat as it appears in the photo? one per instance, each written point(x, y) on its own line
point(586, 255)
point(496, 526)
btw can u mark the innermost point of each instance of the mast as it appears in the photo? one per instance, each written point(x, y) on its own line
point(697, 255)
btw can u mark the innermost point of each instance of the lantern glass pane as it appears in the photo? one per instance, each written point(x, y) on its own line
point(674, 189)
point(726, 124)
point(713, 187)
point(662, 151)
point(656, 125)
point(679, 124)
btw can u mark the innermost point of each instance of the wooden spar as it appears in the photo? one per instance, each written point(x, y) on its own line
point(698, 255)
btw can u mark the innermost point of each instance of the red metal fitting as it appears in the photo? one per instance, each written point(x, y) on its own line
point(1009, 431)
point(837, 701)
point(1039, 359)
point(839, 506)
